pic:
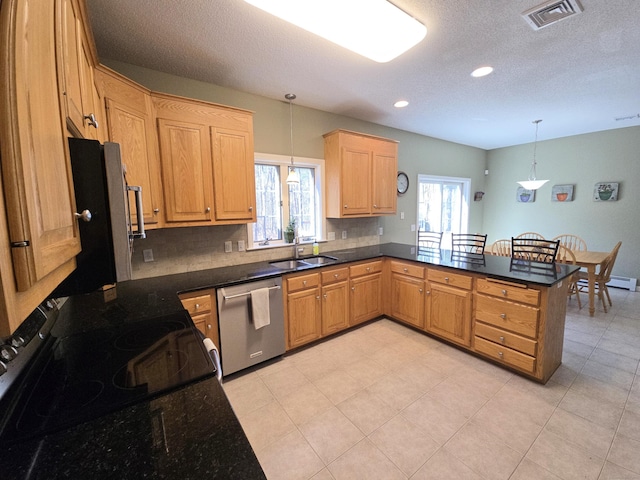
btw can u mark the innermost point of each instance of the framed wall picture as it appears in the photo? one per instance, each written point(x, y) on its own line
point(605, 192)
point(562, 193)
point(525, 196)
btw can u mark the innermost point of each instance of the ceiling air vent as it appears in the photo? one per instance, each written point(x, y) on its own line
point(551, 12)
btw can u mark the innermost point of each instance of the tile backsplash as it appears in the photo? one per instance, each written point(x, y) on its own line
point(187, 249)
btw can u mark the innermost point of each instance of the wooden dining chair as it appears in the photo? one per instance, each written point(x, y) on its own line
point(532, 235)
point(534, 249)
point(602, 278)
point(565, 255)
point(501, 247)
point(572, 242)
point(429, 241)
point(468, 243)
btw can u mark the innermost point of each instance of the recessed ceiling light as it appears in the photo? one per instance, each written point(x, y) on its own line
point(481, 72)
point(375, 29)
point(401, 104)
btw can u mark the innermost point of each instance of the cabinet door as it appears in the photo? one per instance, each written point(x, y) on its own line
point(335, 307)
point(407, 299)
point(303, 317)
point(366, 298)
point(36, 170)
point(233, 175)
point(208, 325)
point(450, 313)
point(90, 122)
point(130, 128)
point(356, 181)
point(185, 156)
point(69, 25)
point(384, 168)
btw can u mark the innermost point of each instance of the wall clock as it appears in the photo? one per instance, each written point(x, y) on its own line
point(403, 183)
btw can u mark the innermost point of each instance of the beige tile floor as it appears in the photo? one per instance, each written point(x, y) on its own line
point(386, 402)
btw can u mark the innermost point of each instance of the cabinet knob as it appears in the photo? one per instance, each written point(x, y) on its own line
point(335, 275)
point(92, 120)
point(503, 316)
point(446, 279)
point(304, 283)
point(420, 290)
point(428, 292)
point(84, 216)
point(405, 270)
point(368, 269)
point(156, 211)
point(207, 210)
point(346, 206)
point(501, 339)
point(325, 296)
point(375, 206)
point(251, 209)
point(317, 297)
point(500, 354)
point(504, 292)
point(353, 289)
point(209, 326)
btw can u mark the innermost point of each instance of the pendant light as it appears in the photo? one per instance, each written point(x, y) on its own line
point(294, 177)
point(532, 183)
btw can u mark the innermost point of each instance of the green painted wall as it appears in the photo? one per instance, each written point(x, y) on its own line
point(581, 160)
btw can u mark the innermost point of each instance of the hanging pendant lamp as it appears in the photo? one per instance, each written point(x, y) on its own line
point(532, 183)
point(294, 177)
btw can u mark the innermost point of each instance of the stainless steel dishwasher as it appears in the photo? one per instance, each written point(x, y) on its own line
point(241, 344)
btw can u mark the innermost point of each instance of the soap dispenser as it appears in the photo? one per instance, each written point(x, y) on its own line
point(316, 247)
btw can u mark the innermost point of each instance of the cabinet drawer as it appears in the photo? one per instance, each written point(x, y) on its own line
point(195, 305)
point(517, 293)
point(508, 339)
point(303, 281)
point(506, 355)
point(508, 315)
point(334, 275)
point(365, 268)
point(407, 269)
point(450, 278)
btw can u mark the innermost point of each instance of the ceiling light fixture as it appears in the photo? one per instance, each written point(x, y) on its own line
point(532, 183)
point(294, 177)
point(482, 72)
point(401, 104)
point(375, 29)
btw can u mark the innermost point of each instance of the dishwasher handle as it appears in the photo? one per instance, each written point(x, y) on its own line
point(215, 354)
point(245, 294)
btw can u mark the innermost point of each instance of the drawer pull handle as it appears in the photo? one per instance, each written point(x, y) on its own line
point(500, 354)
point(353, 289)
point(317, 297)
point(503, 316)
point(335, 275)
point(197, 306)
point(405, 269)
point(504, 292)
point(446, 279)
point(325, 296)
point(304, 283)
point(368, 269)
point(501, 339)
point(208, 326)
point(420, 290)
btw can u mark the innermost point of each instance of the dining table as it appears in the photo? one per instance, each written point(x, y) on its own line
point(592, 261)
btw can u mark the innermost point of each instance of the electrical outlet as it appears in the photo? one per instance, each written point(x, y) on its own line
point(147, 255)
point(241, 245)
point(380, 231)
point(344, 234)
point(331, 236)
point(401, 215)
point(228, 247)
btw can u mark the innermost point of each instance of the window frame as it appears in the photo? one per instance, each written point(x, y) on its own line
point(284, 162)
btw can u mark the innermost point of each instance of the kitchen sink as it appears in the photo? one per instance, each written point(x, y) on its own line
point(292, 264)
point(319, 260)
point(288, 264)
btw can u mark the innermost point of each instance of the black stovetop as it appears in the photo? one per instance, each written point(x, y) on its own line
point(88, 375)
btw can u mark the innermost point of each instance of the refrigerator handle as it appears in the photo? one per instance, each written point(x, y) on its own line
point(139, 233)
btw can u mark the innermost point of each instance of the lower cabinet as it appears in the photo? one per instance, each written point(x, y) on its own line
point(365, 301)
point(335, 300)
point(303, 311)
point(407, 293)
point(201, 306)
point(449, 306)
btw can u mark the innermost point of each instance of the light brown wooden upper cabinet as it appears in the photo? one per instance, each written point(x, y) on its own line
point(42, 240)
point(130, 123)
point(361, 174)
point(76, 61)
point(206, 153)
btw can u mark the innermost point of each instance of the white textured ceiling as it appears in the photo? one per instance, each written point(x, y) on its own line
point(578, 75)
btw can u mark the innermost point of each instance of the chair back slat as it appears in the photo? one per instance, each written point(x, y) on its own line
point(501, 247)
point(468, 243)
point(530, 235)
point(429, 241)
point(572, 242)
point(534, 249)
